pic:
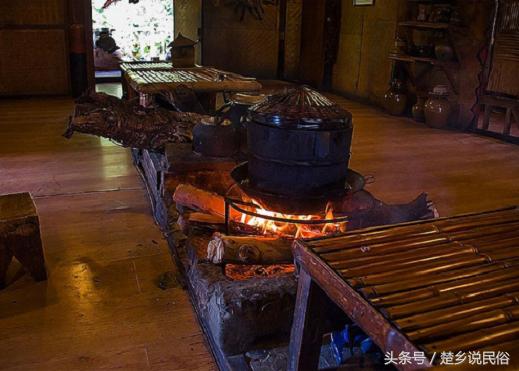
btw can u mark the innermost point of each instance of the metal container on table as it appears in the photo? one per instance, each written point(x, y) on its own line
point(298, 143)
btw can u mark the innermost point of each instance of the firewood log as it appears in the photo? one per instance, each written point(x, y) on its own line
point(203, 218)
point(200, 220)
point(249, 250)
point(203, 201)
point(200, 200)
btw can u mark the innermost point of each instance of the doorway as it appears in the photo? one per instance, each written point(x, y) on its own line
point(129, 30)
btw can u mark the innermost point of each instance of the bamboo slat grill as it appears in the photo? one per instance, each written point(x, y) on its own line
point(127, 66)
point(200, 79)
point(450, 284)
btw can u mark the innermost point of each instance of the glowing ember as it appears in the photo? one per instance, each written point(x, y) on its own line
point(240, 272)
point(292, 229)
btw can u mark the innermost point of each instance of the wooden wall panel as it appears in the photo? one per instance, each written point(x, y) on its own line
point(367, 35)
point(34, 47)
point(26, 69)
point(293, 39)
point(311, 66)
point(248, 47)
point(188, 19)
point(32, 12)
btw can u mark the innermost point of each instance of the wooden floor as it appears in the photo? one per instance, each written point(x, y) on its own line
point(461, 172)
point(101, 307)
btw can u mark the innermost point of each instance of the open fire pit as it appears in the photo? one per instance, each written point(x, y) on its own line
point(236, 245)
point(240, 273)
point(231, 224)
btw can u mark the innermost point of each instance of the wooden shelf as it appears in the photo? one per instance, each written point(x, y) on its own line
point(413, 59)
point(440, 2)
point(446, 67)
point(425, 25)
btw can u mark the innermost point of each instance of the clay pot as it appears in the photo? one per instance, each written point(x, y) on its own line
point(418, 109)
point(395, 99)
point(443, 51)
point(438, 109)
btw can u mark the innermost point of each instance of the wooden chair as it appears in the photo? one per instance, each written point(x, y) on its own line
point(20, 236)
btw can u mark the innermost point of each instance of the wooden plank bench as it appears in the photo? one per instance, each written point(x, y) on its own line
point(449, 284)
point(20, 236)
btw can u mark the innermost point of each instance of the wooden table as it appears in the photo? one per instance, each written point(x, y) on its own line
point(147, 80)
point(449, 284)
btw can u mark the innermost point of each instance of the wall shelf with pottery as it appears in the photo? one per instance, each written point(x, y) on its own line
point(424, 44)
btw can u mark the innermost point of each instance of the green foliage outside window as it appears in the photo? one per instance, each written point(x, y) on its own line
point(141, 30)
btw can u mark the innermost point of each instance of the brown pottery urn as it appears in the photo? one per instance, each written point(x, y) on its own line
point(438, 109)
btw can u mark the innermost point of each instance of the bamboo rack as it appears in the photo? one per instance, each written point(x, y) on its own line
point(126, 66)
point(449, 284)
point(201, 79)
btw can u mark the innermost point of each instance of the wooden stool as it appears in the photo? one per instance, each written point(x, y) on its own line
point(20, 236)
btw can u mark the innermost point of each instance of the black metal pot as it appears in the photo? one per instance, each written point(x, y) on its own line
point(215, 139)
point(298, 143)
point(236, 109)
point(297, 204)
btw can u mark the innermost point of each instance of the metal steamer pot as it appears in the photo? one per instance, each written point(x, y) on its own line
point(298, 144)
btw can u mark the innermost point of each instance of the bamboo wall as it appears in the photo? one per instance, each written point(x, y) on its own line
point(251, 46)
point(504, 78)
point(33, 47)
point(247, 47)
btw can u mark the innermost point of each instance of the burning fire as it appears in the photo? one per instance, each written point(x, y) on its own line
point(293, 228)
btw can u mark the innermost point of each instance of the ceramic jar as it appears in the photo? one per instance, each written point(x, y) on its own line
point(443, 51)
point(395, 99)
point(437, 109)
point(418, 109)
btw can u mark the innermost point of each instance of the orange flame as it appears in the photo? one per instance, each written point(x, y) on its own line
point(292, 229)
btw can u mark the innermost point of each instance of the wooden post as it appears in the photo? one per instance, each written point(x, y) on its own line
point(308, 327)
